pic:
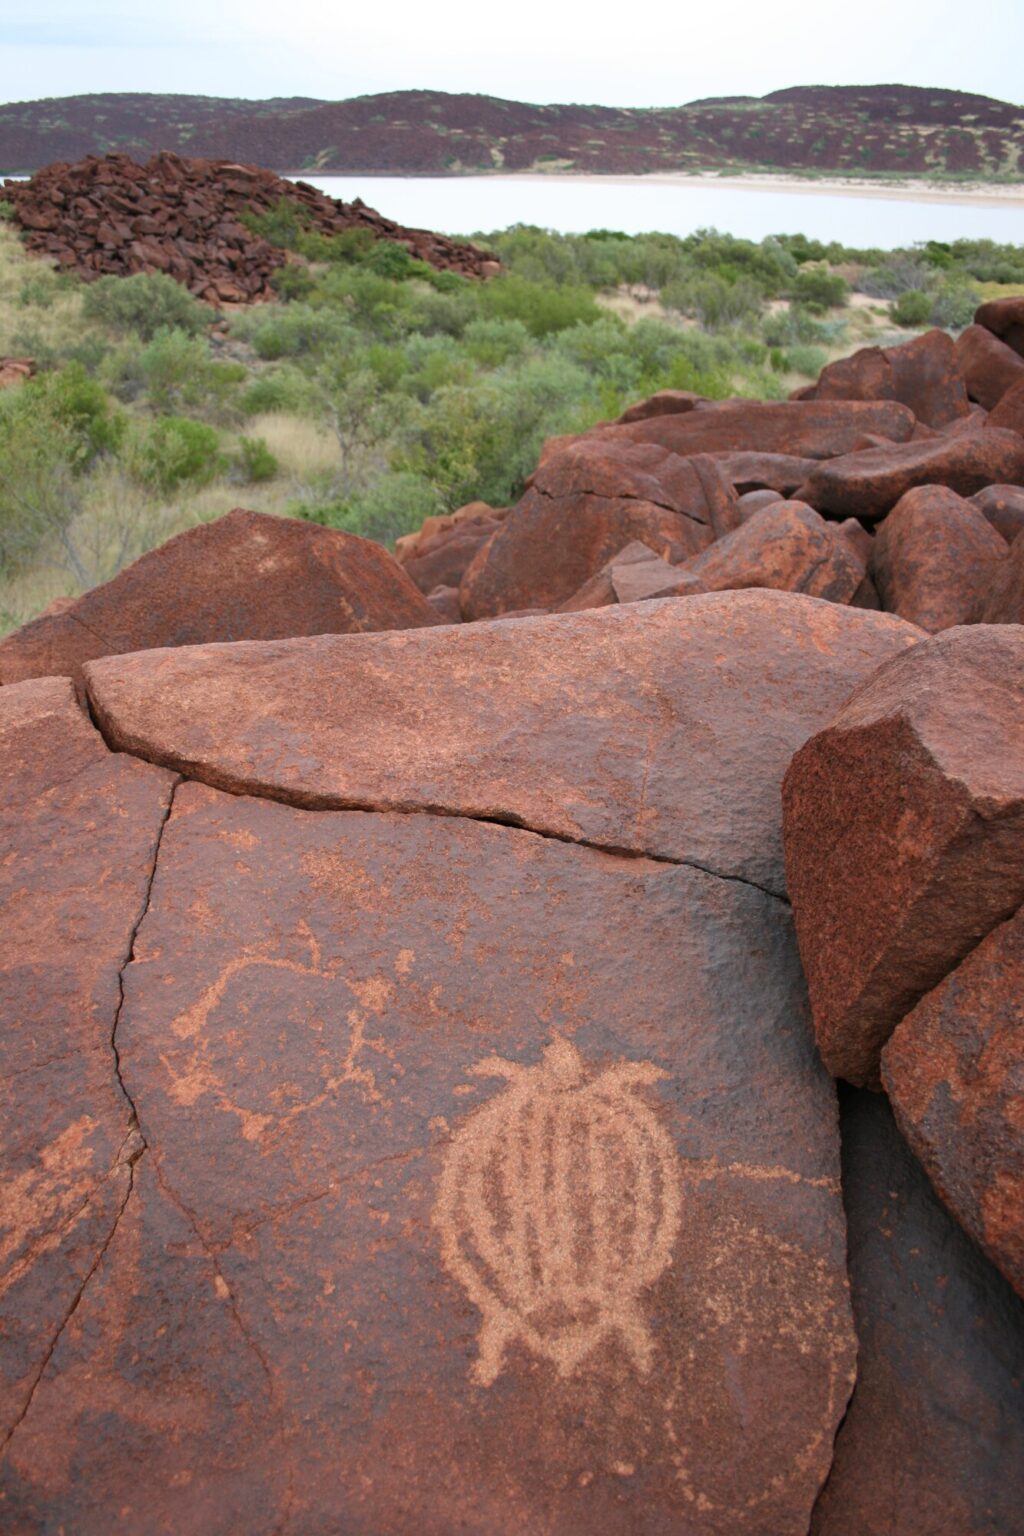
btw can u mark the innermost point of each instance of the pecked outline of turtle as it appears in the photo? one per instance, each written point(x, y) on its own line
point(558, 1205)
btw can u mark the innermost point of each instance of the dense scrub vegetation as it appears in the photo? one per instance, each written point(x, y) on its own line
point(378, 391)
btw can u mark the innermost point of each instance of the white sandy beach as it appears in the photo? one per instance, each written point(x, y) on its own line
point(975, 194)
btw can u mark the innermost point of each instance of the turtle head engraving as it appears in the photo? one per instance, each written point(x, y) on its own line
point(558, 1207)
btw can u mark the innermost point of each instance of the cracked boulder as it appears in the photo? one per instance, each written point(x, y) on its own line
point(954, 1071)
point(933, 1442)
point(935, 558)
point(245, 576)
point(79, 828)
point(660, 728)
point(904, 833)
point(582, 507)
point(453, 1213)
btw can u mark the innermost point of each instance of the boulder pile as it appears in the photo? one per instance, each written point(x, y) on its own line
point(528, 1035)
point(109, 214)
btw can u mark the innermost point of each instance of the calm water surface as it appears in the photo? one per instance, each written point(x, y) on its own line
point(463, 205)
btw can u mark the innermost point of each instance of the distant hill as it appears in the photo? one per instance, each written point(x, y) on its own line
point(847, 130)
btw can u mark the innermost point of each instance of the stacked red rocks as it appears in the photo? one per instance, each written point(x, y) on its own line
point(108, 214)
point(420, 1038)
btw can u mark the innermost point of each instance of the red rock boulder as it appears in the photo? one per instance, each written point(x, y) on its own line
point(904, 835)
point(1005, 319)
point(1009, 413)
point(1003, 603)
point(786, 546)
point(954, 1071)
point(988, 365)
point(245, 576)
point(1003, 506)
point(869, 484)
point(935, 557)
point(922, 373)
point(813, 429)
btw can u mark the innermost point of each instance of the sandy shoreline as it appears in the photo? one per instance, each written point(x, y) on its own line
point(975, 194)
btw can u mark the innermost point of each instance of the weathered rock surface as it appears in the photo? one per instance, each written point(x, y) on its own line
point(812, 429)
point(933, 1442)
point(954, 1071)
point(590, 726)
point(246, 576)
point(439, 552)
point(635, 574)
point(870, 483)
point(1003, 505)
point(1009, 413)
point(988, 365)
point(935, 557)
point(786, 546)
point(79, 829)
point(904, 834)
point(664, 402)
point(923, 374)
point(1004, 602)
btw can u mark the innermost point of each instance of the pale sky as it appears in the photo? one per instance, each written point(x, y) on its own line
point(656, 53)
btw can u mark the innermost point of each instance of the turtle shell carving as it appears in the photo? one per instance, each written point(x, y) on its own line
point(558, 1207)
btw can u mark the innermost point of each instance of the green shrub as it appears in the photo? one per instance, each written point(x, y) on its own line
point(806, 360)
point(912, 308)
point(144, 304)
point(70, 400)
point(255, 461)
point(901, 272)
point(388, 259)
point(953, 305)
point(542, 309)
point(173, 452)
point(285, 389)
point(397, 503)
point(819, 288)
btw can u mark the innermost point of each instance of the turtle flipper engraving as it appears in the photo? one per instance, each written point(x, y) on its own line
point(557, 1207)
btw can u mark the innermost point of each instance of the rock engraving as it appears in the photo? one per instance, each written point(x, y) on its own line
point(558, 1207)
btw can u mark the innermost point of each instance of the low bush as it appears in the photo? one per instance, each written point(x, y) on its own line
point(819, 289)
point(172, 452)
point(255, 462)
point(912, 308)
point(144, 304)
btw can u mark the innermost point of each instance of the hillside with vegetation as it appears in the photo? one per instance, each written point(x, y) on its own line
point(883, 130)
point(376, 391)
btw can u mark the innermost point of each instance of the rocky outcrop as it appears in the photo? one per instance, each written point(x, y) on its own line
point(934, 558)
point(434, 1112)
point(109, 214)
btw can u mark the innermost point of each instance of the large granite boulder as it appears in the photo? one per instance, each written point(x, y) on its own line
point(933, 1442)
point(954, 1070)
point(246, 576)
point(482, 1179)
point(904, 834)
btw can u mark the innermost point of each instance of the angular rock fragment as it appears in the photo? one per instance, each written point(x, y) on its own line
point(591, 726)
point(869, 484)
point(79, 829)
point(954, 1071)
point(933, 1441)
point(935, 557)
point(904, 834)
point(246, 576)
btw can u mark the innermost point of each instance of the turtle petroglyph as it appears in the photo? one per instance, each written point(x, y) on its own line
point(558, 1206)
